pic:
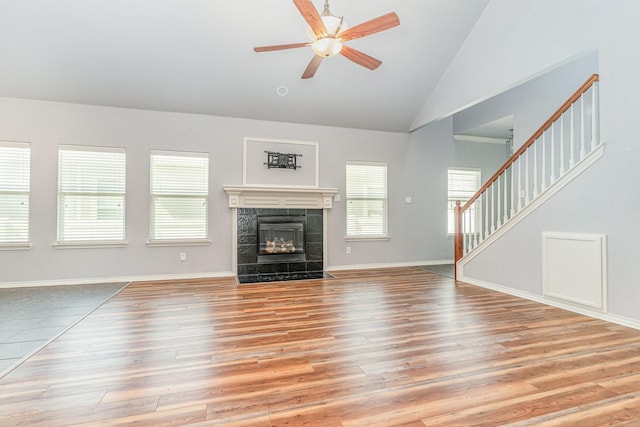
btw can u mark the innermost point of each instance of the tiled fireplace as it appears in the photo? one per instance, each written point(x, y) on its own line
point(280, 233)
point(260, 257)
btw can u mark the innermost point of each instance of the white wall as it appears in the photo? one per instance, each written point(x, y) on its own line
point(526, 38)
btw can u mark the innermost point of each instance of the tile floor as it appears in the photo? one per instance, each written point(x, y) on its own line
point(31, 317)
point(441, 269)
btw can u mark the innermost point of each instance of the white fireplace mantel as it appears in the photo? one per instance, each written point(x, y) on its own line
point(246, 196)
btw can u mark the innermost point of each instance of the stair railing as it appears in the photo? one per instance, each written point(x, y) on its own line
point(566, 138)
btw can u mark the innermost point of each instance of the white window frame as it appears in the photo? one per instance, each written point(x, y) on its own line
point(190, 191)
point(380, 195)
point(15, 194)
point(463, 196)
point(76, 181)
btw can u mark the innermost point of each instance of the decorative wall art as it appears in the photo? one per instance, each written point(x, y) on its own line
point(277, 162)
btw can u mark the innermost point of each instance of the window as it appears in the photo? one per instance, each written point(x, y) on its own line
point(463, 184)
point(14, 193)
point(366, 199)
point(179, 197)
point(91, 195)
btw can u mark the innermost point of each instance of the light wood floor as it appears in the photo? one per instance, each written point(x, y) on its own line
point(368, 348)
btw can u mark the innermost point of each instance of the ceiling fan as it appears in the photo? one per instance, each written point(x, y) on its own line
point(328, 34)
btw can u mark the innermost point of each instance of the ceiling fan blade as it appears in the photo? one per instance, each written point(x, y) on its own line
point(312, 67)
point(311, 15)
point(381, 23)
point(360, 58)
point(280, 47)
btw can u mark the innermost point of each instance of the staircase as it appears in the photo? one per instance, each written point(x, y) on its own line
point(561, 149)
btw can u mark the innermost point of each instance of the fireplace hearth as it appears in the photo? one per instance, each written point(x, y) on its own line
point(284, 277)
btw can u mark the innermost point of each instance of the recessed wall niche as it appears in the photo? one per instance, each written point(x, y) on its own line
point(257, 173)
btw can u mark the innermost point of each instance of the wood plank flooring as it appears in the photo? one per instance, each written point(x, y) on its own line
point(369, 348)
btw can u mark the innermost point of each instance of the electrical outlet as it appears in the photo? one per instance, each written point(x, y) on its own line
point(348, 250)
point(183, 256)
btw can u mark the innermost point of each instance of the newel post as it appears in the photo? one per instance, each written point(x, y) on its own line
point(457, 236)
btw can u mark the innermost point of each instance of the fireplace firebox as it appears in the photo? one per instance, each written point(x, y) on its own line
point(281, 239)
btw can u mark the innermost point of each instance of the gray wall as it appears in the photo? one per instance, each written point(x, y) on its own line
point(417, 168)
point(531, 103)
point(46, 125)
point(605, 199)
point(433, 152)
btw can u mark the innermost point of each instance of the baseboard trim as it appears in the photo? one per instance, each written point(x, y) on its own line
point(222, 274)
point(608, 317)
point(388, 265)
point(125, 279)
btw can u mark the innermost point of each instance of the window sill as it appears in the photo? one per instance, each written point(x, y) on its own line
point(89, 245)
point(365, 238)
point(161, 243)
point(15, 246)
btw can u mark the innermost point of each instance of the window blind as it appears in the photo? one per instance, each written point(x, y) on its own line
point(179, 196)
point(15, 159)
point(366, 199)
point(91, 194)
point(462, 185)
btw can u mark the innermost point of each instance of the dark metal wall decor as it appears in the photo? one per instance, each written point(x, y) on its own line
point(282, 160)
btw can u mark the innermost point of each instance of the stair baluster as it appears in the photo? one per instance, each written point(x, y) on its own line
point(529, 172)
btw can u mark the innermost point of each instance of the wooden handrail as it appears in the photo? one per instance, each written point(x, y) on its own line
point(459, 210)
point(457, 243)
point(594, 78)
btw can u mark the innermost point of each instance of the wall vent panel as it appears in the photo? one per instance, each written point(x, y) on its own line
point(574, 268)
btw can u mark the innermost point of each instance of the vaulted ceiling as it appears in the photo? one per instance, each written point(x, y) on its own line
point(196, 56)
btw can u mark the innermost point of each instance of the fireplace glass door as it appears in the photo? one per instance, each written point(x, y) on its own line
point(281, 239)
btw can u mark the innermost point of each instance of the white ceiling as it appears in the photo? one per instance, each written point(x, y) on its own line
point(498, 131)
point(196, 56)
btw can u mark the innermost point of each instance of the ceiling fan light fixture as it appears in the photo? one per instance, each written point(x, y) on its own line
point(328, 33)
point(333, 25)
point(327, 46)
